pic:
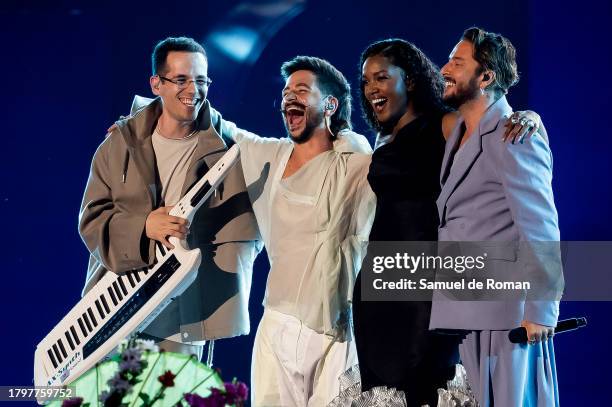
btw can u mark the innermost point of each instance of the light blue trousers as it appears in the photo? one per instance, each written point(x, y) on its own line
point(504, 374)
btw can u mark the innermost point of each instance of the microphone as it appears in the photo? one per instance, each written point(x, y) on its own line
point(519, 335)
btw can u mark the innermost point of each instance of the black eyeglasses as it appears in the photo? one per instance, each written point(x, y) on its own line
point(182, 83)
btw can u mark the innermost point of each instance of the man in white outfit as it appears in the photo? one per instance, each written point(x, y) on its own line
point(314, 208)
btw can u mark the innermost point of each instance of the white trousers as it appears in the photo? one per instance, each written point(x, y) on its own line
point(293, 365)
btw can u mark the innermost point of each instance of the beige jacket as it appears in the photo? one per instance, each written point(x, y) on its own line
point(123, 188)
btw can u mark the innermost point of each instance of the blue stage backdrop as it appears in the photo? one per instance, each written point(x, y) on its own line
point(71, 68)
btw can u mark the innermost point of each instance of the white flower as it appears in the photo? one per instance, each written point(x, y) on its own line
point(146, 345)
point(123, 345)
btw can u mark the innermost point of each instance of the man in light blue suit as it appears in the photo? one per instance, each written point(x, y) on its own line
point(500, 192)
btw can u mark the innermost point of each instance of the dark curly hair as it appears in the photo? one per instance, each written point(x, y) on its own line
point(424, 75)
point(494, 53)
point(331, 81)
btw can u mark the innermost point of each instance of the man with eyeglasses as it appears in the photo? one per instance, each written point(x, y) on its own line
point(144, 166)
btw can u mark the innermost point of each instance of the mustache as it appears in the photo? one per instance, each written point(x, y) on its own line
point(293, 105)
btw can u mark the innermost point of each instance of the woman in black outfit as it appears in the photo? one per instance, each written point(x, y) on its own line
point(401, 97)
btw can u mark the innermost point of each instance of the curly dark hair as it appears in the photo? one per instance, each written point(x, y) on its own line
point(424, 75)
point(331, 81)
point(494, 53)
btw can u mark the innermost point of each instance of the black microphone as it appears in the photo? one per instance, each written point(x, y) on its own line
point(519, 335)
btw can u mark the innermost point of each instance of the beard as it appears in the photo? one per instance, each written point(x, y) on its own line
point(312, 122)
point(463, 93)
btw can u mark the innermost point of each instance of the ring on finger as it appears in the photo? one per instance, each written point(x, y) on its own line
point(523, 121)
point(530, 123)
point(514, 119)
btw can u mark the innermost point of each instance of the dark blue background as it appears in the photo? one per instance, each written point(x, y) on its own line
point(69, 69)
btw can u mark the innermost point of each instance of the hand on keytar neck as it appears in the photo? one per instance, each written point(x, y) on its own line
point(160, 225)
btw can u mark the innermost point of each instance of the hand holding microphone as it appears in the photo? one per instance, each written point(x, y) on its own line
point(519, 335)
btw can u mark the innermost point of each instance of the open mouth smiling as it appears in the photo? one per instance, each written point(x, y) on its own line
point(378, 104)
point(190, 102)
point(294, 114)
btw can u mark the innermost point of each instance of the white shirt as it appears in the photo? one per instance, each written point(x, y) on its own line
point(314, 224)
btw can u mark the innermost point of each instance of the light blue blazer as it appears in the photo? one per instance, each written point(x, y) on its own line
point(502, 192)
